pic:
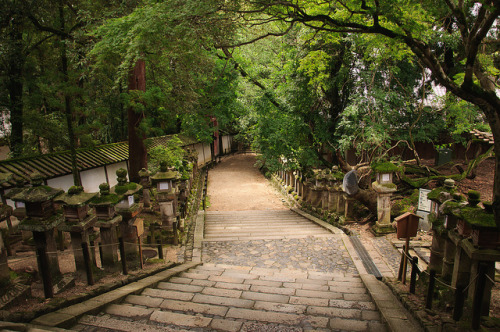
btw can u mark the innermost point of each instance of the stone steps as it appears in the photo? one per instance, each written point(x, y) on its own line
point(259, 225)
point(234, 298)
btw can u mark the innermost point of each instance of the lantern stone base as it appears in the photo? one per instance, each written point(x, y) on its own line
point(382, 229)
point(12, 294)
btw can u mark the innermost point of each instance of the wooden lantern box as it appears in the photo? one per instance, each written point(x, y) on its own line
point(463, 228)
point(486, 238)
point(407, 225)
point(43, 209)
point(76, 214)
point(105, 211)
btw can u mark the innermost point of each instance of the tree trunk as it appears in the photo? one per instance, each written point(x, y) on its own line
point(67, 102)
point(136, 148)
point(15, 66)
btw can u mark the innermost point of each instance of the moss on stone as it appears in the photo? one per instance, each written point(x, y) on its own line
point(435, 194)
point(385, 167)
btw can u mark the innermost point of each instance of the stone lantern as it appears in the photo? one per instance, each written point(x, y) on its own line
point(41, 218)
point(19, 207)
point(5, 214)
point(107, 221)
point(384, 187)
point(79, 221)
point(166, 181)
point(442, 248)
point(146, 184)
point(129, 210)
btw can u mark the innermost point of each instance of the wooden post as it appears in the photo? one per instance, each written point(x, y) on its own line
point(140, 252)
point(430, 289)
point(405, 262)
point(176, 236)
point(88, 263)
point(122, 256)
point(414, 270)
point(401, 263)
point(459, 303)
point(48, 290)
point(478, 298)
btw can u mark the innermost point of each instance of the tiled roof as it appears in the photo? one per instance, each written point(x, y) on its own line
point(58, 164)
point(483, 136)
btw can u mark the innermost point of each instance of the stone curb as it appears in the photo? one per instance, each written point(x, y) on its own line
point(333, 229)
point(392, 310)
point(69, 316)
point(198, 236)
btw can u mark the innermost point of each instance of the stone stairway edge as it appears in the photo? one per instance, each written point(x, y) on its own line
point(67, 317)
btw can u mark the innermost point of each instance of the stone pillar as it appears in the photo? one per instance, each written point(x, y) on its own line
point(333, 199)
point(46, 240)
point(437, 252)
point(315, 196)
point(349, 208)
point(384, 193)
point(449, 250)
point(461, 268)
point(341, 203)
point(4, 268)
point(490, 271)
point(109, 241)
point(324, 199)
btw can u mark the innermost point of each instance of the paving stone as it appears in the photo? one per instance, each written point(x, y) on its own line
point(370, 315)
point(265, 297)
point(353, 304)
point(225, 301)
point(239, 275)
point(208, 309)
point(334, 312)
point(306, 286)
point(167, 294)
point(275, 317)
point(312, 281)
point(357, 297)
point(309, 301)
point(179, 287)
point(204, 283)
point(272, 290)
point(348, 324)
point(318, 294)
point(226, 279)
point(289, 308)
point(353, 290)
point(167, 317)
point(264, 283)
point(128, 311)
point(222, 292)
point(193, 275)
point(226, 325)
point(180, 280)
point(146, 301)
point(228, 285)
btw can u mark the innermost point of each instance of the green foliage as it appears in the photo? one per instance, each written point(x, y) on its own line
point(172, 153)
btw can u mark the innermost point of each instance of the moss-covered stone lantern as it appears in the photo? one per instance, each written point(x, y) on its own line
point(19, 207)
point(129, 210)
point(166, 181)
point(79, 221)
point(145, 177)
point(107, 221)
point(384, 187)
point(41, 218)
point(5, 212)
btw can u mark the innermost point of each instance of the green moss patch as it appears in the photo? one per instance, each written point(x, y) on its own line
point(385, 167)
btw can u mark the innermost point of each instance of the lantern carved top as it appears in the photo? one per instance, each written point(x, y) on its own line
point(105, 198)
point(123, 187)
point(442, 194)
point(37, 193)
point(75, 197)
point(165, 173)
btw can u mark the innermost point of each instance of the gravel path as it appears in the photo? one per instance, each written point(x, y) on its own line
point(236, 185)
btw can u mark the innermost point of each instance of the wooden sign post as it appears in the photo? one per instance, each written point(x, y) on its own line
point(407, 226)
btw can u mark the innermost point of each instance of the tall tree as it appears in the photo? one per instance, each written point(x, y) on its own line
point(454, 40)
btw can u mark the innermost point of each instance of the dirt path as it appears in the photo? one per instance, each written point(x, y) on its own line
point(236, 185)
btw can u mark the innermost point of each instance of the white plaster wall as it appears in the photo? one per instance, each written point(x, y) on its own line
point(112, 172)
point(92, 178)
point(61, 182)
point(208, 153)
point(199, 148)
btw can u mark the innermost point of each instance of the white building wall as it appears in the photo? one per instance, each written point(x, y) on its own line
point(62, 182)
point(92, 178)
point(112, 172)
